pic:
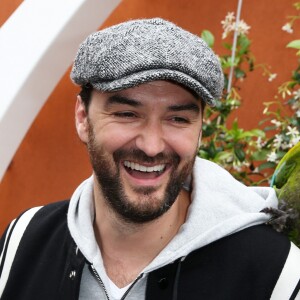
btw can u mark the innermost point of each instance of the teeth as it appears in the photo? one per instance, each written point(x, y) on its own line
point(141, 168)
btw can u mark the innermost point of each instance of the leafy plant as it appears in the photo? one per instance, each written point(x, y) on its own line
point(251, 152)
point(252, 155)
point(232, 147)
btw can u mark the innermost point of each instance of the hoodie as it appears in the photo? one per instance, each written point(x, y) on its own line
point(220, 206)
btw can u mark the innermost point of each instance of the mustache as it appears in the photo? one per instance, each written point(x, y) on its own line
point(141, 156)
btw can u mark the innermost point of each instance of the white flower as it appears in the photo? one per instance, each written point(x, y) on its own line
point(276, 123)
point(229, 159)
point(278, 141)
point(295, 105)
point(272, 156)
point(255, 170)
point(230, 16)
point(259, 143)
point(293, 131)
point(230, 25)
point(237, 168)
point(285, 92)
point(287, 27)
point(294, 134)
point(295, 140)
point(298, 113)
point(207, 121)
point(272, 76)
point(296, 94)
point(243, 27)
point(285, 146)
point(224, 35)
point(228, 20)
point(227, 30)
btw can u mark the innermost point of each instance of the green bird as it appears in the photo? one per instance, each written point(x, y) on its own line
point(286, 182)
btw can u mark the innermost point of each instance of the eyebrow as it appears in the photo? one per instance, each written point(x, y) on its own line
point(181, 107)
point(117, 99)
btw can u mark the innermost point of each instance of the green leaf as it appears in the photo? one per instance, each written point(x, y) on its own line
point(269, 128)
point(260, 155)
point(208, 130)
point(227, 46)
point(258, 132)
point(203, 154)
point(208, 37)
point(253, 133)
point(239, 73)
point(244, 44)
point(282, 174)
point(235, 125)
point(294, 44)
point(223, 156)
point(240, 154)
point(267, 165)
point(226, 62)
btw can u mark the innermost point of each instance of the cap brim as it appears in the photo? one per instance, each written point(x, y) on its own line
point(138, 78)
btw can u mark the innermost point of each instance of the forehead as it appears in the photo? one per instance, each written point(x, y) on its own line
point(159, 93)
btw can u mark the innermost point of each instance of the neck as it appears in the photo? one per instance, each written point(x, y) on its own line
point(134, 246)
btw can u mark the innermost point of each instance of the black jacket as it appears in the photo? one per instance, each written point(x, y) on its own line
point(48, 264)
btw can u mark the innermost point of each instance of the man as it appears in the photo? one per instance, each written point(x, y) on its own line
point(154, 221)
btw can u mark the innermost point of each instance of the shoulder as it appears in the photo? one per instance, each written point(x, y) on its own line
point(32, 239)
point(33, 226)
point(255, 247)
point(50, 213)
point(36, 221)
point(250, 261)
point(36, 217)
point(40, 217)
point(44, 221)
point(249, 264)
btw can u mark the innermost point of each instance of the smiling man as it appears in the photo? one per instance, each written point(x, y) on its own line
point(141, 149)
point(153, 221)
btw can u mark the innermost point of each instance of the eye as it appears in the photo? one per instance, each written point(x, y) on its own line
point(125, 114)
point(180, 120)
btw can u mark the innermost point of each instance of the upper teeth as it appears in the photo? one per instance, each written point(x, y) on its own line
point(138, 167)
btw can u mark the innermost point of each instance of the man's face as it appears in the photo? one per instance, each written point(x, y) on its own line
point(142, 143)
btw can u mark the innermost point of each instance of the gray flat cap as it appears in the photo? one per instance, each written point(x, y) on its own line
point(139, 51)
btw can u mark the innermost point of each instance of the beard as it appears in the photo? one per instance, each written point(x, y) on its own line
point(147, 206)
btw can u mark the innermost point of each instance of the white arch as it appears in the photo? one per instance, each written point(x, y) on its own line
point(37, 45)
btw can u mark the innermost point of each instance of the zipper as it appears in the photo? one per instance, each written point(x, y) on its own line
point(129, 289)
point(95, 273)
point(92, 268)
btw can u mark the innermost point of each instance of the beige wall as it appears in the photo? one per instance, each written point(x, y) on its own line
point(51, 161)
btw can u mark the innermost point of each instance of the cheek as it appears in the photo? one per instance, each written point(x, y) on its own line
point(185, 144)
point(114, 138)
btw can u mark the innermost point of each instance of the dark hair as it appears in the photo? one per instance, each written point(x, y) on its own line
point(86, 94)
point(203, 105)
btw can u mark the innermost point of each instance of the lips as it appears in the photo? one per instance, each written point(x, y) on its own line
point(137, 167)
point(144, 172)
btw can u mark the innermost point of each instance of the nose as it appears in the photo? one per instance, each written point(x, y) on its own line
point(151, 139)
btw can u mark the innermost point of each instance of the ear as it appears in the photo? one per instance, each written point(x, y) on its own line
point(200, 138)
point(81, 120)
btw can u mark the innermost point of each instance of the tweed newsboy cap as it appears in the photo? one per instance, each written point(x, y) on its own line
point(139, 51)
